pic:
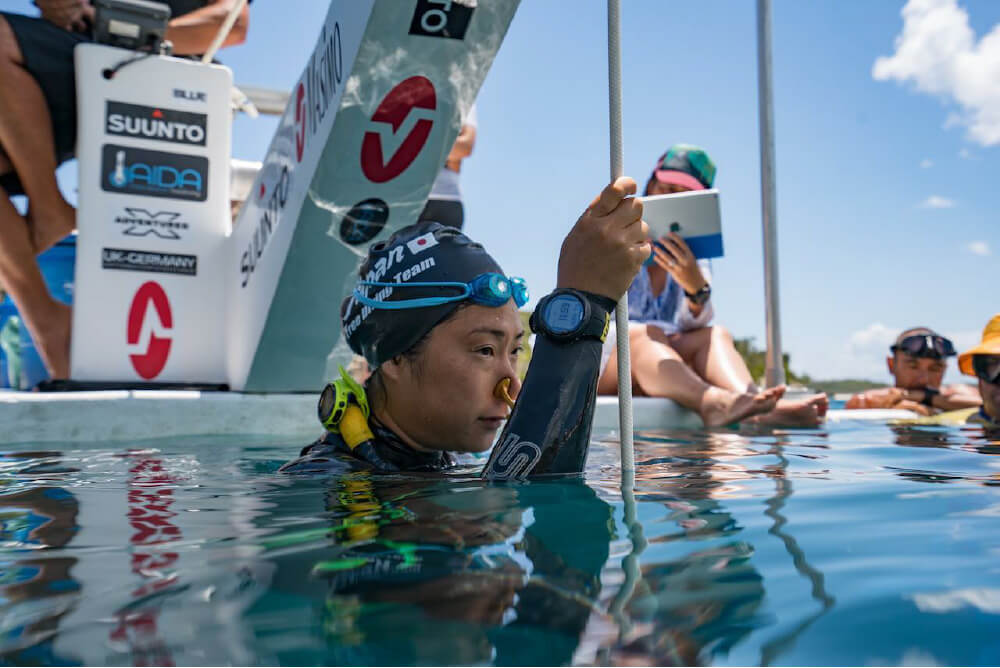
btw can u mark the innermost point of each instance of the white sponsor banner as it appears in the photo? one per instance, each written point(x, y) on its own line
point(153, 218)
point(368, 127)
point(267, 222)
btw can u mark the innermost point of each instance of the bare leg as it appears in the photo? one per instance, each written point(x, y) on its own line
point(711, 353)
point(48, 320)
point(26, 135)
point(658, 370)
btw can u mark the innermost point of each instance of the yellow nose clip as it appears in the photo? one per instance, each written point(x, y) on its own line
point(502, 392)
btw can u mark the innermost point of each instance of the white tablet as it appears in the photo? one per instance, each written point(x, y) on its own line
point(694, 215)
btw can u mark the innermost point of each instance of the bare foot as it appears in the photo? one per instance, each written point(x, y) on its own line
point(50, 225)
point(720, 407)
point(807, 412)
point(52, 340)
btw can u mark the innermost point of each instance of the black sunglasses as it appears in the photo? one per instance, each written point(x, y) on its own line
point(987, 368)
point(925, 345)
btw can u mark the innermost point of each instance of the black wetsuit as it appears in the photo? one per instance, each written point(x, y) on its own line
point(548, 431)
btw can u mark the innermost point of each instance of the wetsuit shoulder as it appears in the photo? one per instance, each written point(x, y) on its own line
point(385, 453)
point(327, 454)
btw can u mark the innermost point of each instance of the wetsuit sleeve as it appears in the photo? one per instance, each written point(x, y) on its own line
point(549, 428)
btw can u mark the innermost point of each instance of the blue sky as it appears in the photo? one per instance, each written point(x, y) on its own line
point(886, 188)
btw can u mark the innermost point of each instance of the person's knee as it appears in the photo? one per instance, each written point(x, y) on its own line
point(720, 333)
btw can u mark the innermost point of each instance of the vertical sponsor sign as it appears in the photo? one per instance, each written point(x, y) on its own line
point(369, 124)
point(153, 218)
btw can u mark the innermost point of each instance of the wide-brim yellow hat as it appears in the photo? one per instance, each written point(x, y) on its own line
point(990, 345)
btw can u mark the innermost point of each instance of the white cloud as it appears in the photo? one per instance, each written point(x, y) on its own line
point(875, 335)
point(938, 202)
point(965, 154)
point(979, 248)
point(938, 53)
point(926, 163)
point(983, 599)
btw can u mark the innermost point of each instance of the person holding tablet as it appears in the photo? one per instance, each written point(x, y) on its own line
point(676, 352)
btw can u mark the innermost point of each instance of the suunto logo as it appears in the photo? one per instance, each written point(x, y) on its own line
point(158, 124)
point(154, 173)
point(269, 219)
point(150, 361)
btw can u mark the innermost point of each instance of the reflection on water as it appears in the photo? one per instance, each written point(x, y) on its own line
point(37, 587)
point(770, 548)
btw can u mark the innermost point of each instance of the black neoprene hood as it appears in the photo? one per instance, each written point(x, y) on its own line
point(421, 253)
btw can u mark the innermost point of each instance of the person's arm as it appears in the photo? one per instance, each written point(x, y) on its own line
point(883, 397)
point(951, 398)
point(549, 428)
point(69, 15)
point(462, 148)
point(672, 253)
point(193, 33)
point(694, 316)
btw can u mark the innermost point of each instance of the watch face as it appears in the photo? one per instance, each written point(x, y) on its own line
point(563, 314)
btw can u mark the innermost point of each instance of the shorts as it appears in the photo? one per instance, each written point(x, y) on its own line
point(445, 211)
point(48, 56)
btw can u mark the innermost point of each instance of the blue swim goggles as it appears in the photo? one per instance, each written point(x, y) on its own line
point(490, 289)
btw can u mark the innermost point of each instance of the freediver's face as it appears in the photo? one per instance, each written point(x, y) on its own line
point(914, 373)
point(443, 398)
point(990, 392)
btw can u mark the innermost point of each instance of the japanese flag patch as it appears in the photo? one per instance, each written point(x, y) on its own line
point(422, 243)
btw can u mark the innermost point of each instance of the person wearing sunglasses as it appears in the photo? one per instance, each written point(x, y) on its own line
point(437, 320)
point(983, 362)
point(918, 361)
point(676, 351)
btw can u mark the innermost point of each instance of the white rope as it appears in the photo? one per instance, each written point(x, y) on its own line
point(617, 170)
point(224, 29)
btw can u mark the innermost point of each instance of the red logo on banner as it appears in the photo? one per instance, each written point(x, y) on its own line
point(300, 122)
point(412, 93)
point(150, 363)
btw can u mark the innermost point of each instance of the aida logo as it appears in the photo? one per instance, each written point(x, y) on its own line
point(154, 173)
point(141, 333)
point(406, 110)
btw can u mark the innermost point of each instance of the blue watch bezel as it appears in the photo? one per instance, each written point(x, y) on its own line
point(539, 324)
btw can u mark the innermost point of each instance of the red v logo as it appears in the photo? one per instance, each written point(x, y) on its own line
point(150, 363)
point(395, 108)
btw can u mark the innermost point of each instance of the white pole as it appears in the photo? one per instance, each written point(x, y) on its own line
point(617, 169)
point(775, 368)
point(224, 29)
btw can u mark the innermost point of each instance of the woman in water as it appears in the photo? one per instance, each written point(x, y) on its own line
point(437, 321)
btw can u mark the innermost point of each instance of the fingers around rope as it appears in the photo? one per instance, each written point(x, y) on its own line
point(612, 195)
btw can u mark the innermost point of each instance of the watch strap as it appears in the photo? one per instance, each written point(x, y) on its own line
point(701, 295)
point(929, 394)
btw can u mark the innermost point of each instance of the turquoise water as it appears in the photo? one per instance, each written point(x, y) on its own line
point(854, 544)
